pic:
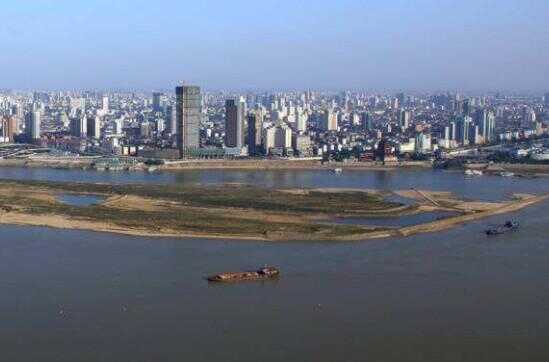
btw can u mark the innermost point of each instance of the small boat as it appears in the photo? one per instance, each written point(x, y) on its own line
point(264, 273)
point(502, 229)
point(507, 174)
point(337, 171)
point(470, 172)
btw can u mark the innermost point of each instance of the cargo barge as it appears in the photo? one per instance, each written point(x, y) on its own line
point(260, 274)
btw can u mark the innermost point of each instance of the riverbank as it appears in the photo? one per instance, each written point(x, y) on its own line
point(89, 163)
point(295, 164)
point(523, 169)
point(248, 164)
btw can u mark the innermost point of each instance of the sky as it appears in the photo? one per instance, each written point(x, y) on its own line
point(416, 45)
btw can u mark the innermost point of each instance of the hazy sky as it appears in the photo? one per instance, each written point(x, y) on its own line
point(264, 44)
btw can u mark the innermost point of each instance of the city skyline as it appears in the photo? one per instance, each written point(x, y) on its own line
point(424, 46)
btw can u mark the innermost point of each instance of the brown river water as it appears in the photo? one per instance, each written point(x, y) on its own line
point(451, 296)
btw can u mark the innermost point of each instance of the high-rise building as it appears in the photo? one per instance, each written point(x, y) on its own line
point(105, 105)
point(9, 128)
point(401, 99)
point(445, 140)
point(4, 121)
point(453, 131)
point(329, 121)
point(464, 107)
point(486, 120)
point(269, 135)
point(234, 123)
point(366, 121)
point(301, 120)
point(188, 114)
point(157, 102)
point(32, 126)
point(530, 118)
point(490, 132)
point(463, 129)
point(474, 134)
point(171, 124)
point(546, 100)
point(254, 134)
point(93, 127)
point(405, 119)
point(78, 127)
point(283, 137)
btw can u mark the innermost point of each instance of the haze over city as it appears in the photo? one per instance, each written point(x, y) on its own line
point(263, 45)
point(208, 180)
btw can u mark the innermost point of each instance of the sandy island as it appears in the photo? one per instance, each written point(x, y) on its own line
point(237, 211)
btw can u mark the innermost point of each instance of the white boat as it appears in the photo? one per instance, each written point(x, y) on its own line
point(507, 174)
point(469, 172)
point(337, 171)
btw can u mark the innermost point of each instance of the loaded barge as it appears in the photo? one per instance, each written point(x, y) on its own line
point(261, 274)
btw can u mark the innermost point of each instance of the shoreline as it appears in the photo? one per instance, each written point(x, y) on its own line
point(190, 165)
point(62, 223)
point(86, 164)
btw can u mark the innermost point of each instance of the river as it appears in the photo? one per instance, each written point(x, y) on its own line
point(452, 296)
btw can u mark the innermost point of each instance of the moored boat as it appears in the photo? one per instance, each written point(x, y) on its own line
point(470, 172)
point(264, 273)
point(502, 229)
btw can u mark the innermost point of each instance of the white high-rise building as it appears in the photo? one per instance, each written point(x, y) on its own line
point(105, 107)
point(301, 121)
point(269, 135)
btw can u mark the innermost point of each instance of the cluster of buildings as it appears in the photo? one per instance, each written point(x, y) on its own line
point(189, 123)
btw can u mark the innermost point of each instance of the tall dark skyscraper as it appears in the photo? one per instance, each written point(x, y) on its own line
point(366, 121)
point(404, 119)
point(463, 128)
point(234, 123)
point(156, 104)
point(93, 127)
point(188, 114)
point(254, 135)
point(231, 123)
